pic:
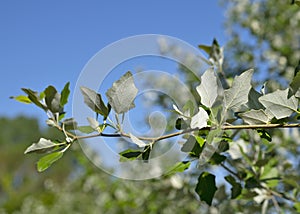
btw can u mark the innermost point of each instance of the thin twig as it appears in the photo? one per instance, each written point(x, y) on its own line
point(230, 171)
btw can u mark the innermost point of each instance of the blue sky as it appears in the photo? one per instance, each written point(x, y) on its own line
point(49, 42)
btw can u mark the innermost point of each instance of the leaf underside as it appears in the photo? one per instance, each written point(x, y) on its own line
point(122, 94)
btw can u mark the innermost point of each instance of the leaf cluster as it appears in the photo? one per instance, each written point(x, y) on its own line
point(206, 129)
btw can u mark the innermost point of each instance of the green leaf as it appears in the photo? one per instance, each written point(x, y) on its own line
point(93, 123)
point(253, 102)
point(146, 153)
point(137, 141)
point(122, 94)
point(270, 170)
point(21, 98)
point(297, 94)
point(208, 89)
point(200, 140)
point(200, 119)
point(46, 161)
point(206, 187)
point(236, 188)
point(69, 124)
point(192, 147)
point(214, 135)
point(216, 159)
point(181, 124)
point(264, 134)
point(51, 122)
point(85, 129)
point(211, 146)
point(178, 167)
point(65, 95)
point(214, 51)
point(251, 183)
point(237, 95)
point(297, 2)
point(176, 109)
point(254, 117)
point(130, 154)
point(206, 48)
point(294, 86)
point(33, 97)
point(297, 204)
point(52, 99)
point(94, 101)
point(43, 146)
point(188, 108)
point(278, 104)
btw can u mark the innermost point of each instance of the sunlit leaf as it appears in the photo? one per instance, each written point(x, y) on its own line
point(46, 161)
point(269, 170)
point(122, 94)
point(206, 187)
point(254, 117)
point(93, 123)
point(200, 140)
point(206, 48)
point(94, 100)
point(21, 98)
point(208, 89)
point(200, 119)
point(178, 167)
point(137, 141)
point(65, 94)
point(297, 204)
point(176, 109)
point(50, 122)
point(278, 104)
point(43, 146)
point(237, 95)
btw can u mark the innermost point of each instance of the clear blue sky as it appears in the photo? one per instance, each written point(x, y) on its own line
point(49, 42)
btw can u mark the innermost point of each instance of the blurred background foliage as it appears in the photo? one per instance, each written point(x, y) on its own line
point(263, 34)
point(74, 185)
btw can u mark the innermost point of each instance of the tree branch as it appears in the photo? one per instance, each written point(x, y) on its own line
point(225, 127)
